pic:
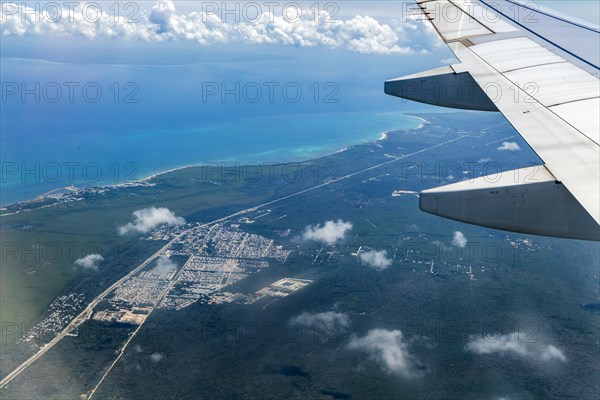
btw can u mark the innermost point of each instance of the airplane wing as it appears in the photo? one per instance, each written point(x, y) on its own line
point(541, 71)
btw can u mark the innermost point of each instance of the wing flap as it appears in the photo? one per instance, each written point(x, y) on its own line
point(577, 114)
point(570, 156)
point(527, 200)
point(515, 53)
point(554, 84)
point(548, 93)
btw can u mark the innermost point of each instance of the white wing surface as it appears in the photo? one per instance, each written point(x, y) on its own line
point(540, 70)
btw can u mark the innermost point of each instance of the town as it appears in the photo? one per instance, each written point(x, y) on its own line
point(213, 258)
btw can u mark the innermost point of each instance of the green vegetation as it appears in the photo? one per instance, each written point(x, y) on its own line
point(542, 287)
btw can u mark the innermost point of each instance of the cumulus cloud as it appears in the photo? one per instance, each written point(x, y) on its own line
point(518, 345)
point(509, 146)
point(331, 232)
point(459, 239)
point(90, 262)
point(162, 15)
point(329, 322)
point(156, 357)
point(163, 265)
point(375, 259)
point(147, 219)
point(362, 34)
point(388, 349)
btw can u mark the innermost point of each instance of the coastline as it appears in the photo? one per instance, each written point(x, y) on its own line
point(74, 189)
point(423, 121)
point(382, 136)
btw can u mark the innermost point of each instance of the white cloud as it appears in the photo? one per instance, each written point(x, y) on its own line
point(484, 160)
point(163, 265)
point(387, 348)
point(516, 344)
point(449, 61)
point(375, 259)
point(162, 15)
point(156, 357)
point(331, 232)
point(420, 19)
point(90, 262)
point(459, 239)
point(362, 34)
point(509, 146)
point(147, 219)
point(329, 322)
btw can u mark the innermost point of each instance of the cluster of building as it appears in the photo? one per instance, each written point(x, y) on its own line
point(61, 312)
point(140, 291)
point(224, 256)
point(67, 194)
point(216, 256)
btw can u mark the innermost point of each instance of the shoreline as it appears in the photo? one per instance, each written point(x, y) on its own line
point(73, 188)
point(382, 136)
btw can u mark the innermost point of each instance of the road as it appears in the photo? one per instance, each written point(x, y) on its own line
point(79, 319)
point(159, 299)
point(88, 310)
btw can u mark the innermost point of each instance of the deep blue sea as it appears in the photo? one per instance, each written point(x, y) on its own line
point(101, 158)
point(49, 140)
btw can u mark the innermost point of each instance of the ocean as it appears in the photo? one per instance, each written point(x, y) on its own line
point(104, 158)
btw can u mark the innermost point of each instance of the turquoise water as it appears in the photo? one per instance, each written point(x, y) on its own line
point(100, 158)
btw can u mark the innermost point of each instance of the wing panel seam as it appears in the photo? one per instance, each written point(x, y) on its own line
point(553, 16)
point(574, 101)
point(535, 65)
point(527, 95)
point(542, 37)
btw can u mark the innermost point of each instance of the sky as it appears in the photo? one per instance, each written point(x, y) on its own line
point(173, 68)
point(145, 55)
point(157, 61)
point(106, 70)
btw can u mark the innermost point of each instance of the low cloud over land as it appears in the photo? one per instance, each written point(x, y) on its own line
point(148, 219)
point(163, 265)
point(516, 344)
point(509, 146)
point(388, 349)
point(459, 239)
point(329, 233)
point(90, 262)
point(375, 259)
point(328, 322)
